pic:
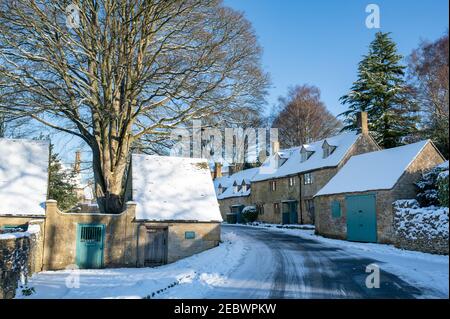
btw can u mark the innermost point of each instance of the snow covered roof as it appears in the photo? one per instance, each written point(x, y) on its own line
point(23, 176)
point(373, 171)
point(294, 165)
point(239, 178)
point(173, 188)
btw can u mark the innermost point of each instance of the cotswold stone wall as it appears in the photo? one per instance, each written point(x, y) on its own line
point(423, 229)
point(20, 257)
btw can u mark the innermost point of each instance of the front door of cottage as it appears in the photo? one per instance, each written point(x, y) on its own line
point(90, 242)
point(361, 218)
point(290, 215)
point(156, 248)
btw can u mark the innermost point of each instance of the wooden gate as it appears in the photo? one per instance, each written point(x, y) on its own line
point(90, 242)
point(156, 249)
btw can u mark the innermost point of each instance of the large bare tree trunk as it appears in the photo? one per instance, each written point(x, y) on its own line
point(130, 71)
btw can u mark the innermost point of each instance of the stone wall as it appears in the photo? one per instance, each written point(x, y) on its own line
point(207, 235)
point(20, 257)
point(124, 242)
point(422, 229)
point(61, 232)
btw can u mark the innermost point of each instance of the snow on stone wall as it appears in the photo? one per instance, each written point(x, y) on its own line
point(20, 257)
point(421, 228)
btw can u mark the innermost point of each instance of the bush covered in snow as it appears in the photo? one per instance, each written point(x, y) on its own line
point(433, 187)
point(442, 183)
point(421, 228)
point(249, 214)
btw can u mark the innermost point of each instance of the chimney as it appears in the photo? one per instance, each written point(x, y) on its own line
point(77, 165)
point(217, 170)
point(275, 145)
point(361, 123)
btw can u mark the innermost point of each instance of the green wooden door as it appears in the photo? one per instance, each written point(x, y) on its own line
point(90, 243)
point(290, 215)
point(361, 218)
point(293, 216)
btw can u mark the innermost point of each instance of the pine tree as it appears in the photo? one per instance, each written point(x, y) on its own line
point(61, 183)
point(381, 91)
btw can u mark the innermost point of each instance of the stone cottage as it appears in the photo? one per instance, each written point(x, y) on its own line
point(356, 204)
point(284, 187)
point(171, 212)
point(234, 193)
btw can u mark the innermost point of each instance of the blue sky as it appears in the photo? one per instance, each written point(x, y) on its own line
point(321, 42)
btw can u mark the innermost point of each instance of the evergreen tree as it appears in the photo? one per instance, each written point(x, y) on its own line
point(61, 183)
point(381, 91)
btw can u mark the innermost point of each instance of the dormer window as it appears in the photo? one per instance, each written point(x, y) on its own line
point(305, 154)
point(327, 149)
point(243, 186)
point(235, 187)
point(220, 189)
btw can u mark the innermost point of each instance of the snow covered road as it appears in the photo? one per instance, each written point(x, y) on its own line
point(261, 262)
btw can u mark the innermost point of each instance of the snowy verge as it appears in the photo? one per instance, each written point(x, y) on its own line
point(429, 271)
point(195, 274)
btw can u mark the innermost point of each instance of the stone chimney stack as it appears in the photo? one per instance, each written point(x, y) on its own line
point(77, 165)
point(217, 170)
point(361, 123)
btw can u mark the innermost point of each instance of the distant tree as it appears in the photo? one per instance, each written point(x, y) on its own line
point(302, 117)
point(61, 183)
point(428, 71)
point(381, 91)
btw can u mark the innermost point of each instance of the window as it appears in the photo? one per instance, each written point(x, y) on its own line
point(235, 188)
point(291, 181)
point(220, 189)
point(307, 179)
point(189, 235)
point(276, 208)
point(272, 186)
point(335, 209)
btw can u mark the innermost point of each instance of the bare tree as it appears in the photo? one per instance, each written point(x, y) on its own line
point(302, 117)
point(122, 71)
point(428, 73)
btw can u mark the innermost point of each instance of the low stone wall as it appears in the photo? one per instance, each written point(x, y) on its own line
point(20, 257)
point(423, 229)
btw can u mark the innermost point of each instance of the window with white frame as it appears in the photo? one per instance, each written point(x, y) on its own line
point(272, 186)
point(307, 179)
point(291, 181)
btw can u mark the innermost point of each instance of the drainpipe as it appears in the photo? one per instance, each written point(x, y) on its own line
point(300, 208)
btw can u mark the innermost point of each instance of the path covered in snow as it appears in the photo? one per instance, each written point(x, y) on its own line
point(260, 262)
